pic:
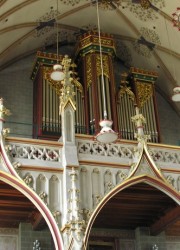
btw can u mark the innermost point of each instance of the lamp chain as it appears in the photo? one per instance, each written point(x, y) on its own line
point(57, 32)
point(101, 61)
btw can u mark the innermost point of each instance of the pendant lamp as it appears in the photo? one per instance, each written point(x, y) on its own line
point(57, 73)
point(107, 134)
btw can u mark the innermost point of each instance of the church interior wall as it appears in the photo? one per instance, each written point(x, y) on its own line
point(17, 92)
point(137, 239)
point(168, 120)
point(29, 236)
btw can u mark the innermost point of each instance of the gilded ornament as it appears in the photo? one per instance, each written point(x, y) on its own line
point(121, 175)
point(145, 4)
point(138, 118)
point(144, 92)
point(105, 42)
point(5, 132)
point(56, 214)
point(89, 70)
point(127, 90)
point(28, 180)
point(90, 40)
point(108, 186)
point(105, 65)
point(170, 180)
point(43, 196)
point(97, 199)
point(16, 165)
point(139, 121)
point(124, 89)
point(41, 177)
point(3, 111)
point(85, 42)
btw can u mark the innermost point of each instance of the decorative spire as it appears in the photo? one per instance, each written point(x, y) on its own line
point(76, 223)
point(67, 92)
point(139, 121)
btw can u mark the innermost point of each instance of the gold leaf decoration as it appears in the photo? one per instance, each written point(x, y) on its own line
point(144, 92)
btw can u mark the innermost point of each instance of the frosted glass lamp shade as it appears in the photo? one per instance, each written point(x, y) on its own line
point(176, 95)
point(57, 74)
point(106, 135)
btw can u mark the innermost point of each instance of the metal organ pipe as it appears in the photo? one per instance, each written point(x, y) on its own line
point(107, 92)
point(99, 86)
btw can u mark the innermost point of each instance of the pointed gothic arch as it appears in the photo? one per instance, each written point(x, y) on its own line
point(39, 204)
point(151, 181)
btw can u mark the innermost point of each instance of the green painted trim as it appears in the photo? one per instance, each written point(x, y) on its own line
point(41, 61)
point(95, 48)
point(144, 77)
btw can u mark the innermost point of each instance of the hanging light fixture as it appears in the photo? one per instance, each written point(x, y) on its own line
point(176, 90)
point(106, 135)
point(176, 94)
point(176, 22)
point(57, 73)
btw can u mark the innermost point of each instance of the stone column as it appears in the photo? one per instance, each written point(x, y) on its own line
point(72, 224)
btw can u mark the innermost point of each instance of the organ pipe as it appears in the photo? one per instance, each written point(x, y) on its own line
point(137, 88)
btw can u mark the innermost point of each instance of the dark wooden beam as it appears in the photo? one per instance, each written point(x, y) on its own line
point(38, 222)
point(160, 225)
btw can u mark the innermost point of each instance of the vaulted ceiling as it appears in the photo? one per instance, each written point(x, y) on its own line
point(143, 29)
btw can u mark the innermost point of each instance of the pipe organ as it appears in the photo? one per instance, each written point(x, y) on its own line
point(46, 110)
point(137, 89)
point(88, 57)
point(125, 110)
point(51, 122)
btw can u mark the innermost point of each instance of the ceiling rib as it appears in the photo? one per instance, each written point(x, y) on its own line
point(16, 8)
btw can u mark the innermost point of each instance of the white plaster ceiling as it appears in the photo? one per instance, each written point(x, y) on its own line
point(28, 25)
